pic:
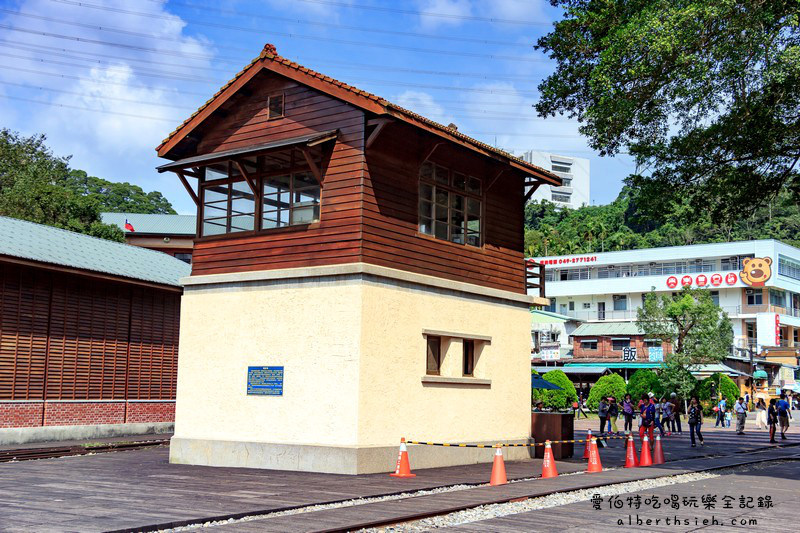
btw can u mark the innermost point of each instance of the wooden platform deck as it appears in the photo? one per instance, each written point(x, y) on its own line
point(780, 482)
point(141, 490)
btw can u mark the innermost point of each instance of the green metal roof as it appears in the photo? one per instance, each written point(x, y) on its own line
point(605, 329)
point(154, 224)
point(573, 369)
point(760, 374)
point(546, 317)
point(614, 365)
point(46, 244)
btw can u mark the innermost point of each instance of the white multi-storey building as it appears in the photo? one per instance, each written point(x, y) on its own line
point(756, 282)
point(574, 171)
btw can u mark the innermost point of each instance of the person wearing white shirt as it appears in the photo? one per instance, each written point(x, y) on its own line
point(741, 415)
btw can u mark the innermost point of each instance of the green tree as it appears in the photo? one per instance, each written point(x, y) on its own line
point(644, 381)
point(705, 94)
point(611, 385)
point(117, 197)
point(724, 386)
point(556, 399)
point(698, 330)
point(32, 188)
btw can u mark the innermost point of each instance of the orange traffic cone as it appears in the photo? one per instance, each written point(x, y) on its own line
point(658, 452)
point(588, 444)
point(403, 468)
point(498, 468)
point(548, 463)
point(594, 458)
point(630, 453)
point(646, 459)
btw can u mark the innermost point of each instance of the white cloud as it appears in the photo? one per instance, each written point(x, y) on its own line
point(424, 104)
point(140, 110)
point(453, 8)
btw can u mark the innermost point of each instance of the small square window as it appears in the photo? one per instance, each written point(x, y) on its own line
point(589, 344)
point(275, 106)
point(620, 344)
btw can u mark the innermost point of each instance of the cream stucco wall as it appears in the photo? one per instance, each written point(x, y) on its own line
point(393, 400)
point(312, 329)
point(354, 355)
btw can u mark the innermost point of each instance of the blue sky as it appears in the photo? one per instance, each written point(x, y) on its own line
point(145, 65)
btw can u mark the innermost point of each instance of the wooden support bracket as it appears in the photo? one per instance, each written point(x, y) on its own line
point(189, 189)
point(379, 125)
point(495, 179)
point(534, 186)
point(312, 164)
point(247, 177)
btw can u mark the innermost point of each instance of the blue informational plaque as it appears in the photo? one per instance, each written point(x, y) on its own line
point(265, 380)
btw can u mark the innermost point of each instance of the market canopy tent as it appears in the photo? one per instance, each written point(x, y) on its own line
point(538, 382)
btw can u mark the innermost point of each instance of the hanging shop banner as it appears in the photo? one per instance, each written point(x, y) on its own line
point(629, 354)
point(655, 354)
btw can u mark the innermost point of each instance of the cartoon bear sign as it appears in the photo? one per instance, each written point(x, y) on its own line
point(756, 271)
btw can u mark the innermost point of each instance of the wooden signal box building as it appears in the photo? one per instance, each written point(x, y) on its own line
point(358, 276)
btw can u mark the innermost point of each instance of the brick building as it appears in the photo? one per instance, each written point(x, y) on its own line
point(88, 335)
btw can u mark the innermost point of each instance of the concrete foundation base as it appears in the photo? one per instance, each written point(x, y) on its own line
point(9, 436)
point(328, 459)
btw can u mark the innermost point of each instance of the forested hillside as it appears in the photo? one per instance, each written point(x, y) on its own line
point(621, 226)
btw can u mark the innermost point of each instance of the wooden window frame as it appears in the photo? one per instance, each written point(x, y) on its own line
point(269, 106)
point(451, 189)
point(259, 177)
point(468, 357)
point(438, 370)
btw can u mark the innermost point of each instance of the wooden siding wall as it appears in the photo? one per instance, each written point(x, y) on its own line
point(368, 206)
point(65, 337)
point(391, 236)
point(335, 239)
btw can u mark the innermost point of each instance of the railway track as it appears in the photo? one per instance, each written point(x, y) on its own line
point(51, 452)
point(353, 515)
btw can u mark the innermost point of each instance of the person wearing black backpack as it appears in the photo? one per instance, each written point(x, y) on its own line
point(695, 420)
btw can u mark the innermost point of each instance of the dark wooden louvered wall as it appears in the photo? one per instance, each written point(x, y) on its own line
point(68, 337)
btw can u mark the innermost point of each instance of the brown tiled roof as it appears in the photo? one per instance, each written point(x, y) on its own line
point(269, 53)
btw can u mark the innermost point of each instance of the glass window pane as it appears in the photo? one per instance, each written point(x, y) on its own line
point(425, 192)
point(459, 181)
point(440, 230)
point(425, 209)
point(215, 211)
point(473, 239)
point(215, 194)
point(303, 179)
point(305, 215)
point(213, 228)
point(442, 175)
point(426, 226)
point(474, 185)
point(457, 202)
point(441, 197)
point(307, 196)
point(441, 213)
point(473, 207)
point(216, 172)
point(426, 171)
point(241, 223)
point(276, 106)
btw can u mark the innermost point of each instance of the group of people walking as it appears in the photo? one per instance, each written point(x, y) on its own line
point(650, 410)
point(665, 415)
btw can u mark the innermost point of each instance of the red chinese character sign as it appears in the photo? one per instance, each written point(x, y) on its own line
point(716, 279)
point(702, 280)
point(777, 330)
point(686, 281)
point(672, 282)
point(731, 278)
